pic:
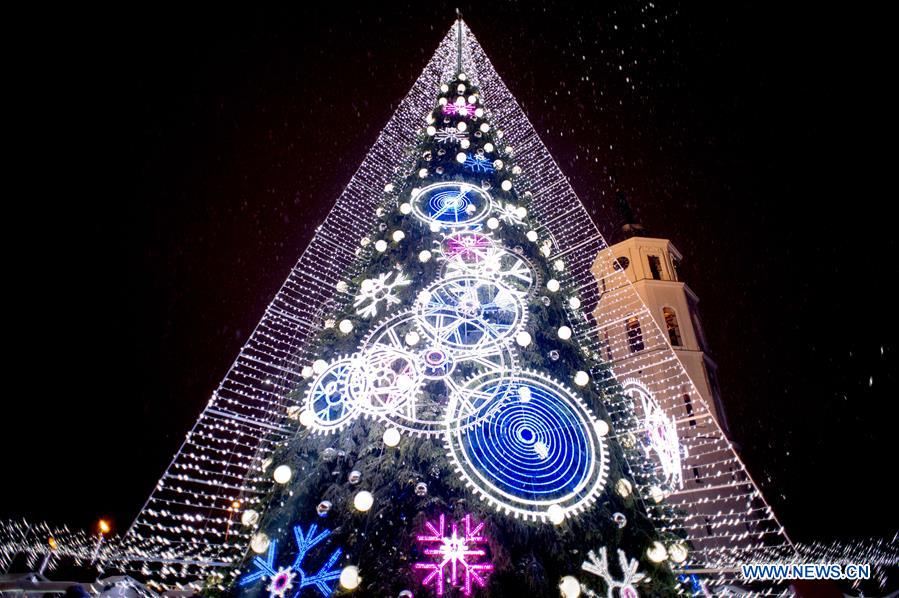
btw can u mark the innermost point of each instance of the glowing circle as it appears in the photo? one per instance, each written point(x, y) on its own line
point(523, 338)
point(345, 326)
point(319, 366)
point(492, 223)
point(363, 501)
point(677, 553)
point(581, 378)
point(391, 437)
point(570, 587)
point(564, 333)
point(349, 578)
point(527, 456)
point(432, 131)
point(259, 543)
point(405, 208)
point(381, 245)
point(398, 235)
point(447, 204)
point(556, 514)
point(461, 157)
point(532, 236)
point(656, 552)
point(506, 185)
point(249, 517)
point(282, 474)
point(424, 256)
point(307, 418)
point(552, 285)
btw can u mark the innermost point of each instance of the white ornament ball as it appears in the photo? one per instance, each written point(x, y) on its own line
point(307, 371)
point(460, 101)
point(349, 578)
point(415, 191)
point(462, 126)
point(564, 333)
point(677, 553)
point(581, 378)
point(307, 418)
point(523, 338)
point(488, 147)
point(282, 474)
point(552, 285)
point(516, 170)
point(498, 164)
point(342, 286)
point(442, 101)
point(656, 552)
point(444, 88)
point(465, 144)
point(259, 543)
point(656, 494)
point(412, 338)
point(570, 587)
point(391, 437)
point(508, 147)
point(319, 366)
point(559, 266)
point(435, 227)
point(345, 326)
point(364, 241)
point(521, 212)
point(388, 187)
point(479, 112)
point(492, 223)
point(506, 185)
point(462, 77)
point(367, 285)
point(460, 88)
point(532, 236)
point(623, 488)
point(524, 394)
point(472, 99)
point(602, 427)
point(432, 131)
point(574, 303)
point(398, 235)
point(424, 256)
point(381, 246)
point(461, 157)
point(249, 518)
point(556, 514)
point(423, 173)
point(484, 127)
point(423, 297)
point(363, 501)
point(405, 208)
point(546, 250)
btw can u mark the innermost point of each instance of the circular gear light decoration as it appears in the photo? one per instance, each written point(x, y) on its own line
point(466, 255)
point(467, 312)
point(529, 455)
point(331, 398)
point(436, 371)
point(452, 205)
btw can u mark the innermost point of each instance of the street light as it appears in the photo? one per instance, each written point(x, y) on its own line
point(103, 528)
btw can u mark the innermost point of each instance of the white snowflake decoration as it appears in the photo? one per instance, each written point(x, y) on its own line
point(450, 135)
point(600, 566)
point(508, 213)
point(374, 291)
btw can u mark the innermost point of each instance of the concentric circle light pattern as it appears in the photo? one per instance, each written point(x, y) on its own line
point(538, 448)
point(451, 204)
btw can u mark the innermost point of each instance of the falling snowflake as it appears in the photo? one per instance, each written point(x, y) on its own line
point(600, 566)
point(452, 552)
point(283, 578)
point(478, 163)
point(373, 291)
point(450, 135)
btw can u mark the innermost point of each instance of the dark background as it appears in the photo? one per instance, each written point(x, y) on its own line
point(168, 169)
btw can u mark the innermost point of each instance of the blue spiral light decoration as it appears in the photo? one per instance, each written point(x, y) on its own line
point(538, 448)
point(451, 205)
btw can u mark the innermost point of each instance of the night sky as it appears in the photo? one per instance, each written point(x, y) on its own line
point(168, 169)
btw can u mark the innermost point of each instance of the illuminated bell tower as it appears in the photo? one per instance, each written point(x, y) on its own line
point(651, 264)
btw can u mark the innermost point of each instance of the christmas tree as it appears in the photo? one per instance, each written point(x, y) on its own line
point(452, 441)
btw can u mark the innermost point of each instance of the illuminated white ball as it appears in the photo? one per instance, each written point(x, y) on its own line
point(405, 208)
point(398, 235)
point(521, 212)
point(492, 223)
point(259, 543)
point(444, 88)
point(574, 303)
point(432, 131)
point(564, 333)
point(249, 517)
point(484, 127)
point(364, 241)
point(423, 297)
point(524, 394)
point(363, 501)
point(412, 338)
point(523, 338)
point(508, 147)
point(656, 494)
point(623, 488)
point(423, 173)
point(552, 285)
point(424, 256)
point(569, 587)
point(472, 99)
point(532, 236)
point(307, 371)
point(319, 366)
point(506, 185)
point(581, 378)
point(435, 227)
point(367, 286)
point(479, 112)
point(381, 246)
point(677, 552)
point(392, 436)
point(559, 266)
point(349, 578)
point(342, 286)
point(306, 418)
point(656, 552)
point(602, 427)
point(460, 101)
point(462, 77)
point(461, 157)
point(488, 147)
point(442, 101)
point(282, 474)
point(516, 170)
point(388, 187)
point(465, 144)
point(556, 514)
point(498, 164)
point(345, 326)
point(460, 88)
point(462, 126)
point(546, 250)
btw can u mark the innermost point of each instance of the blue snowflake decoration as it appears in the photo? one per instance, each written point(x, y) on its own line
point(283, 578)
point(478, 163)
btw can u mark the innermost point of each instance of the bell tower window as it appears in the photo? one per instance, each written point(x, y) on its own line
point(655, 267)
point(671, 326)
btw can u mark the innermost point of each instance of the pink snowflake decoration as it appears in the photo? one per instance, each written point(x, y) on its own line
point(467, 247)
point(450, 553)
point(460, 109)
